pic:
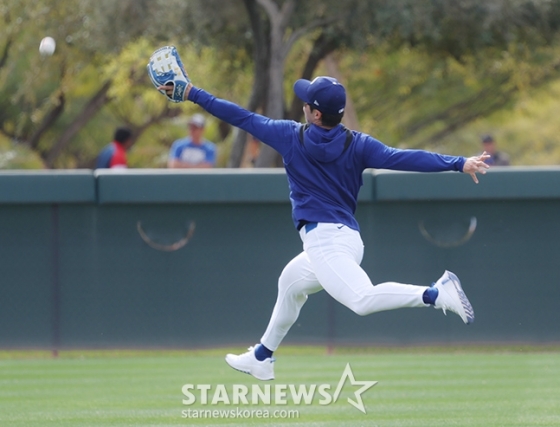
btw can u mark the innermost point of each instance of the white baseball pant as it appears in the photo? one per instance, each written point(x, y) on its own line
point(330, 260)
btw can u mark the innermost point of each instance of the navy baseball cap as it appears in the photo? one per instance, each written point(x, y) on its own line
point(326, 94)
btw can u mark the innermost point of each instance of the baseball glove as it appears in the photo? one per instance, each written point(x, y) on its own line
point(165, 69)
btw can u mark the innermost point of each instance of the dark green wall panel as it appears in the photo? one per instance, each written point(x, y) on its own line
point(498, 183)
point(508, 269)
point(24, 187)
point(77, 273)
point(26, 316)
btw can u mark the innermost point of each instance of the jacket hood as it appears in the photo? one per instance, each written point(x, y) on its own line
point(325, 145)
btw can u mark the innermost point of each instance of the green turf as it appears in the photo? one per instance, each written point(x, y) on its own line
point(417, 387)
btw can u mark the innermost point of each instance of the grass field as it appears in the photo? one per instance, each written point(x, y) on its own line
point(516, 386)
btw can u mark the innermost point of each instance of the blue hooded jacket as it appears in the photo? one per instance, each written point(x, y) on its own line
point(323, 176)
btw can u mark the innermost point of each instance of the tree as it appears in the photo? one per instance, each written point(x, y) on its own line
point(498, 47)
point(49, 104)
point(47, 101)
point(438, 27)
point(274, 28)
point(280, 43)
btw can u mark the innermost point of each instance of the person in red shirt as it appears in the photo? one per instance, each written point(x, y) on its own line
point(114, 154)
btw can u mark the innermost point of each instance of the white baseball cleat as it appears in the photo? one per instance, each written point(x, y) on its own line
point(451, 297)
point(248, 363)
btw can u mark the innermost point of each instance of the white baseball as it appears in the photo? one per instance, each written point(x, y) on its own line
point(47, 46)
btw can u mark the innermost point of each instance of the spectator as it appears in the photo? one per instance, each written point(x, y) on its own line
point(497, 158)
point(114, 154)
point(193, 151)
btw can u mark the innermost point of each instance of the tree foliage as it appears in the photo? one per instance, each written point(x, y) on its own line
point(477, 55)
point(458, 29)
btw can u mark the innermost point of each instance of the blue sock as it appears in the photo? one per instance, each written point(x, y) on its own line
point(262, 353)
point(430, 295)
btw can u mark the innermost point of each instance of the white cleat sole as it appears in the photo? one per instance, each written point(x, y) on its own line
point(468, 310)
point(451, 290)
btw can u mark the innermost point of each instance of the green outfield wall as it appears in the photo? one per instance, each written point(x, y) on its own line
point(158, 258)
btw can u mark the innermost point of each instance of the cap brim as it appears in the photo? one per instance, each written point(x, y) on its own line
point(300, 89)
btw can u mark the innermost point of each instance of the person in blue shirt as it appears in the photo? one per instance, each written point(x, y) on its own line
point(324, 162)
point(497, 158)
point(193, 151)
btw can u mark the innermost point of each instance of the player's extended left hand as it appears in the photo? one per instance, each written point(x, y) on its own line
point(476, 164)
point(169, 90)
point(168, 74)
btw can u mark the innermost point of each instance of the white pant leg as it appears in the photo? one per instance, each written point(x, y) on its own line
point(295, 283)
point(335, 252)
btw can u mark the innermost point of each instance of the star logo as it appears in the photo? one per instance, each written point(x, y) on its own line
point(365, 385)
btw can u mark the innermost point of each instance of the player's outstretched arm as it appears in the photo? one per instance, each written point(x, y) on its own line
point(169, 76)
point(276, 133)
point(476, 164)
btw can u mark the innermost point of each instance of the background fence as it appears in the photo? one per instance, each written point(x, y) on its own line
point(185, 259)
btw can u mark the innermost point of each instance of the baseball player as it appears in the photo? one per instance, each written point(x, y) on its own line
point(324, 162)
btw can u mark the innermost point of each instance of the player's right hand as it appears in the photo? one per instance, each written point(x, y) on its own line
point(476, 164)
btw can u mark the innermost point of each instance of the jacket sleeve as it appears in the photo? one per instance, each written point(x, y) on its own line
point(276, 133)
point(380, 156)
